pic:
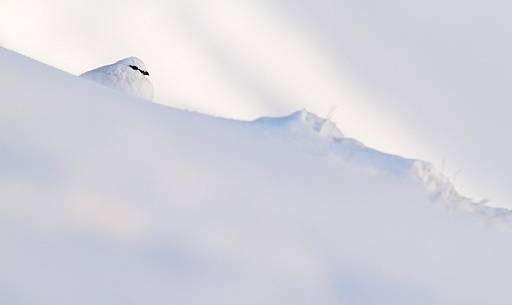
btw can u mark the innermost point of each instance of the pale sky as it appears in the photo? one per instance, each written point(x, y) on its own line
point(422, 79)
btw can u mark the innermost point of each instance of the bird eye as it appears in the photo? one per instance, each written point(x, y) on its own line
point(141, 71)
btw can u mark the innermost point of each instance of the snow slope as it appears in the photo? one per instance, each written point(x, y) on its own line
point(427, 80)
point(110, 199)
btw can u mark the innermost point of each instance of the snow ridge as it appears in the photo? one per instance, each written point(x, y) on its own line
point(439, 187)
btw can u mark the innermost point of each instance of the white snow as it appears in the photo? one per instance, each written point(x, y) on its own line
point(128, 75)
point(419, 79)
point(109, 199)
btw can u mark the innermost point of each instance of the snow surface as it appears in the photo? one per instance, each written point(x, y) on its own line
point(122, 76)
point(109, 199)
point(415, 78)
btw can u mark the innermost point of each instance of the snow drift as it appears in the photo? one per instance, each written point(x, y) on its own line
point(109, 199)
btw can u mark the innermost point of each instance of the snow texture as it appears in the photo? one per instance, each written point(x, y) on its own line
point(109, 199)
point(128, 75)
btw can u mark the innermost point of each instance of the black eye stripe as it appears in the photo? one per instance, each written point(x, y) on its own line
point(141, 71)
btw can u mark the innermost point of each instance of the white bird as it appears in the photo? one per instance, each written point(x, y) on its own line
point(128, 75)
